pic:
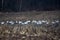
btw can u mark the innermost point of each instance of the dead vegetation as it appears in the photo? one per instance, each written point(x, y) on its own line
point(30, 32)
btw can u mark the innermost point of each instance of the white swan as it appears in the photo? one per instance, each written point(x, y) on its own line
point(34, 21)
point(39, 22)
point(44, 21)
point(16, 21)
point(20, 22)
point(57, 21)
point(47, 22)
point(27, 22)
point(11, 22)
point(7, 21)
point(2, 22)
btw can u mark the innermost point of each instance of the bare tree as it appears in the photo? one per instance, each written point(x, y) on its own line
point(2, 3)
point(20, 5)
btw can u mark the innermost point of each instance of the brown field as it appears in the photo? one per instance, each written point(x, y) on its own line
point(30, 32)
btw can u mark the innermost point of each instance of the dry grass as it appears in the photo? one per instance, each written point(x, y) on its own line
point(30, 32)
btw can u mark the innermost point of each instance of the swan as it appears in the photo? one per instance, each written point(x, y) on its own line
point(11, 22)
point(27, 22)
point(2, 22)
point(39, 22)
